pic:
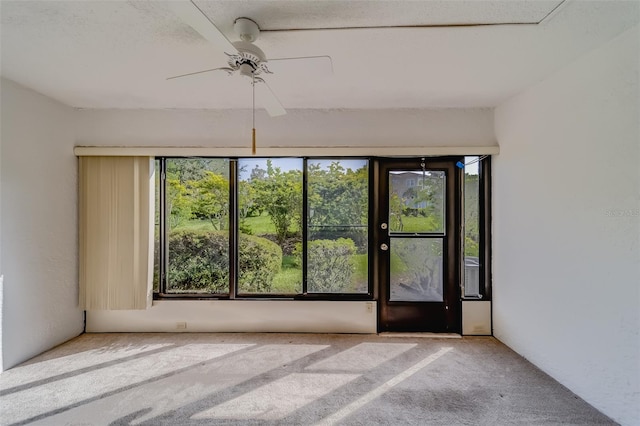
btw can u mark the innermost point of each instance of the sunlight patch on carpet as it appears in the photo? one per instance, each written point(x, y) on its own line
point(59, 394)
point(380, 390)
point(278, 399)
point(363, 357)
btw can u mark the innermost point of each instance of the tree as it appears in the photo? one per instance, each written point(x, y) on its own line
point(258, 173)
point(338, 202)
point(337, 196)
point(280, 195)
point(184, 188)
point(248, 205)
point(471, 216)
point(178, 203)
point(192, 169)
point(395, 213)
point(211, 199)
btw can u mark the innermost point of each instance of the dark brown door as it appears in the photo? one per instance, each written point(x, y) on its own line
point(418, 248)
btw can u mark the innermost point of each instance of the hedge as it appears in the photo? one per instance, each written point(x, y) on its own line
point(260, 260)
point(199, 261)
point(329, 265)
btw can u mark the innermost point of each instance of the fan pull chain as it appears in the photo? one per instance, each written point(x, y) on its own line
point(253, 115)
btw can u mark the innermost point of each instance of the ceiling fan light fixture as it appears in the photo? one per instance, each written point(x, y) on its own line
point(246, 29)
point(246, 70)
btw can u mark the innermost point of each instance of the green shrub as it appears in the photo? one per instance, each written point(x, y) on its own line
point(358, 235)
point(330, 265)
point(199, 262)
point(259, 260)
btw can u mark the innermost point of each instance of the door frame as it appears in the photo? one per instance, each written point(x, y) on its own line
point(445, 316)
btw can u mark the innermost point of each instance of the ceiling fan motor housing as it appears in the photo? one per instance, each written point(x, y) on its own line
point(250, 59)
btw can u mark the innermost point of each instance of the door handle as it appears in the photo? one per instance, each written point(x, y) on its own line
point(384, 247)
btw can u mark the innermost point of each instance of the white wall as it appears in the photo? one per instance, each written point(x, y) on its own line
point(566, 227)
point(299, 128)
point(282, 316)
point(38, 224)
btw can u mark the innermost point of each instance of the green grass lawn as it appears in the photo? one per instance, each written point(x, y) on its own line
point(397, 265)
point(260, 224)
point(289, 279)
point(194, 225)
point(420, 224)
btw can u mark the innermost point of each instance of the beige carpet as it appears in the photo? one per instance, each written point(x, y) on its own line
point(285, 379)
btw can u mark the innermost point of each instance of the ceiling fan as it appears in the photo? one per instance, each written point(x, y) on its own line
point(243, 57)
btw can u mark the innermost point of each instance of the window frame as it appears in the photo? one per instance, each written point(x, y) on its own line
point(369, 295)
point(485, 218)
point(163, 261)
point(234, 234)
point(484, 231)
point(484, 194)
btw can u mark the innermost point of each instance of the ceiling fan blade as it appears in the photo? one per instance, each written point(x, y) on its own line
point(316, 65)
point(201, 72)
point(193, 16)
point(268, 99)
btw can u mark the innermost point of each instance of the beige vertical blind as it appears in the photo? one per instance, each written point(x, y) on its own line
point(116, 232)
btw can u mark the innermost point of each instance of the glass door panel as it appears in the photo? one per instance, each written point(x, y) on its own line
point(416, 201)
point(416, 270)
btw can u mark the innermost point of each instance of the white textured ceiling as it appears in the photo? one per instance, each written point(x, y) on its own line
point(386, 54)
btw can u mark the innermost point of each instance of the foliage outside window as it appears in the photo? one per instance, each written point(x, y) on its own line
point(416, 206)
point(471, 227)
point(269, 217)
point(416, 201)
point(197, 232)
point(337, 216)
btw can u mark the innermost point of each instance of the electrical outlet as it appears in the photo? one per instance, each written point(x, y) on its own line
point(369, 307)
point(181, 326)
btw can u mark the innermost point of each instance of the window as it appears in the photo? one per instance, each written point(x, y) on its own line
point(476, 227)
point(270, 225)
point(300, 227)
point(337, 226)
point(156, 230)
point(196, 207)
point(256, 227)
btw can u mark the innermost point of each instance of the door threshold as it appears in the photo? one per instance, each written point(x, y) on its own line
point(420, 334)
